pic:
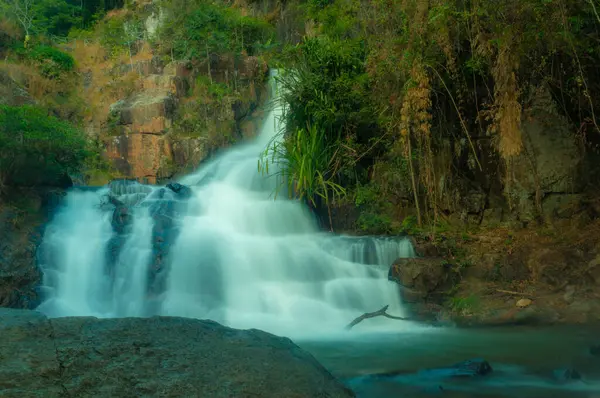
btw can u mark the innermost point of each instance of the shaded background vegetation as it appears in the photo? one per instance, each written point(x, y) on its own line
point(423, 101)
point(396, 110)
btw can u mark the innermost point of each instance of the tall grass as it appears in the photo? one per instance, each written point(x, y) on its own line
point(306, 164)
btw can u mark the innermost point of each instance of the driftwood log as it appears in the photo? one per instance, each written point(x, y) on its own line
point(381, 312)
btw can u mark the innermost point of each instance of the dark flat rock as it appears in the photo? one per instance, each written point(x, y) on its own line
point(147, 357)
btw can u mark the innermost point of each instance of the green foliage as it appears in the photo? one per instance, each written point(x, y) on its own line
point(36, 148)
point(51, 61)
point(328, 86)
point(55, 18)
point(96, 169)
point(338, 18)
point(200, 28)
point(398, 86)
point(215, 90)
point(465, 305)
point(307, 163)
point(120, 34)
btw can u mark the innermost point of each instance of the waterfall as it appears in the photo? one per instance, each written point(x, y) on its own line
point(217, 246)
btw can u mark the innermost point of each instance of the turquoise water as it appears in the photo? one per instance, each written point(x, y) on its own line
point(523, 360)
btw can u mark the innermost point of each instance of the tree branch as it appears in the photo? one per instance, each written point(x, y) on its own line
point(381, 312)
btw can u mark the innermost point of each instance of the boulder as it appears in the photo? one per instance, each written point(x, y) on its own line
point(469, 368)
point(181, 190)
point(423, 276)
point(548, 163)
point(566, 374)
point(523, 303)
point(159, 356)
point(22, 217)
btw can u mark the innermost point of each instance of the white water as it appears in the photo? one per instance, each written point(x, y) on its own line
point(241, 257)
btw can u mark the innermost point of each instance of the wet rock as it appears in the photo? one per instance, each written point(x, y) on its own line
point(182, 190)
point(159, 356)
point(566, 374)
point(163, 211)
point(424, 283)
point(21, 231)
point(421, 274)
point(121, 219)
point(469, 368)
point(427, 249)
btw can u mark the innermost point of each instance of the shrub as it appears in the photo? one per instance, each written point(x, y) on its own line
point(211, 28)
point(36, 148)
point(51, 60)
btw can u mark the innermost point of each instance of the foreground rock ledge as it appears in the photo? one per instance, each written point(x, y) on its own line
point(151, 357)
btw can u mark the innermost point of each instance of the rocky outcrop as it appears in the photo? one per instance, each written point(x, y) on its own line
point(143, 143)
point(547, 167)
point(11, 93)
point(163, 206)
point(424, 284)
point(22, 217)
point(422, 278)
point(507, 277)
point(160, 356)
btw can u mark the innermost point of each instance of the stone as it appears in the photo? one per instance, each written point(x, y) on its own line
point(422, 274)
point(566, 375)
point(21, 230)
point(569, 295)
point(523, 303)
point(159, 356)
point(549, 161)
point(143, 156)
point(11, 93)
point(166, 84)
point(562, 205)
point(470, 368)
point(594, 270)
point(178, 69)
point(180, 189)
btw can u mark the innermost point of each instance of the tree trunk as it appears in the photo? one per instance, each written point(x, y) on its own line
point(413, 181)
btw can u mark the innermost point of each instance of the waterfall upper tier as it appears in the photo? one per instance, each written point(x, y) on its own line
point(219, 246)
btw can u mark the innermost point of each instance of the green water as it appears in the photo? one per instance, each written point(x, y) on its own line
point(523, 360)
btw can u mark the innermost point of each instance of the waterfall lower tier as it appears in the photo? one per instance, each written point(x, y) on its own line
point(218, 247)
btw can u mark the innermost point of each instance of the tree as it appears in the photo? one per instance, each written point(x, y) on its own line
point(23, 11)
point(36, 148)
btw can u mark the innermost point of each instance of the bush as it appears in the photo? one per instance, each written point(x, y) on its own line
point(212, 28)
point(51, 60)
point(36, 148)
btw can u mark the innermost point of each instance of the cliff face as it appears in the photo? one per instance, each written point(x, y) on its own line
point(140, 132)
point(157, 116)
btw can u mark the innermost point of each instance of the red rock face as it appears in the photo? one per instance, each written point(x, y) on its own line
point(143, 156)
point(144, 149)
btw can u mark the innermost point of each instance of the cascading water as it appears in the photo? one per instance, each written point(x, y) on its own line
point(224, 249)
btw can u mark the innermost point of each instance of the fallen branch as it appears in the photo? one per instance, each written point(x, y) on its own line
point(381, 312)
point(515, 293)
